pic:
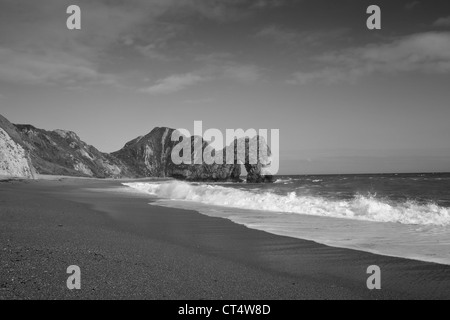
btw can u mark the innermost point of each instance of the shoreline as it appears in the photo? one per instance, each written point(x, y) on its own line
point(129, 249)
point(262, 212)
point(331, 244)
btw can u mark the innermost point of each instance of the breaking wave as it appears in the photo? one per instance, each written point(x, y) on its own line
point(284, 181)
point(367, 208)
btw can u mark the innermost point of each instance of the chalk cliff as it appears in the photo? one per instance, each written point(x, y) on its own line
point(14, 161)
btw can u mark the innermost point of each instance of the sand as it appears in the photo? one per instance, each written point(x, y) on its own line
point(127, 249)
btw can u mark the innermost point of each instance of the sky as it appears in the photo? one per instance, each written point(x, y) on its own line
point(346, 99)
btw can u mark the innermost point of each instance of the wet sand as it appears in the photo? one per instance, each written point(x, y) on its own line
point(127, 249)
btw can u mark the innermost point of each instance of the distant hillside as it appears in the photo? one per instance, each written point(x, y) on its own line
point(62, 152)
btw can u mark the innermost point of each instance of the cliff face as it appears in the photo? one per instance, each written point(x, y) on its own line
point(14, 161)
point(151, 156)
point(258, 159)
point(204, 172)
point(62, 152)
point(25, 149)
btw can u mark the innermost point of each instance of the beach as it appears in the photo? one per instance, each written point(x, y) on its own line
point(128, 249)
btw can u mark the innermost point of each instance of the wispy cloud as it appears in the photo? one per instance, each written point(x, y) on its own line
point(51, 68)
point(241, 73)
point(151, 51)
point(424, 52)
point(174, 83)
point(154, 41)
point(38, 49)
point(214, 66)
point(442, 22)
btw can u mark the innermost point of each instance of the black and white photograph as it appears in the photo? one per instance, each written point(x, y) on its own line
point(231, 157)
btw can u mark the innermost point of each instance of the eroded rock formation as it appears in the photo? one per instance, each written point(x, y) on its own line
point(148, 155)
point(151, 156)
point(258, 159)
point(25, 149)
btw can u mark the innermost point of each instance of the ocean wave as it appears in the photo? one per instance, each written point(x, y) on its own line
point(367, 208)
point(284, 181)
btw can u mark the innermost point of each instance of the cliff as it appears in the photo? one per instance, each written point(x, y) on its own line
point(150, 156)
point(62, 152)
point(14, 161)
point(25, 149)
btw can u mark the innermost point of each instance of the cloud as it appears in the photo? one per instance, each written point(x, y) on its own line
point(242, 73)
point(174, 83)
point(219, 69)
point(442, 22)
point(151, 52)
point(424, 52)
point(49, 69)
point(37, 48)
point(155, 39)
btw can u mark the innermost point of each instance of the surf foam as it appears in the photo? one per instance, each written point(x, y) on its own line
point(367, 208)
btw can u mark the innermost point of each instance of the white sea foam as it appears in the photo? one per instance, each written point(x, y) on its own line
point(367, 208)
point(284, 181)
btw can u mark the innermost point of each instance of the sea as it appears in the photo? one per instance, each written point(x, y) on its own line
point(401, 215)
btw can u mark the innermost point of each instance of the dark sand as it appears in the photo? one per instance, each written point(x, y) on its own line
point(127, 249)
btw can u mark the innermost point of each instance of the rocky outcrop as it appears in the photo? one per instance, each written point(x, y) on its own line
point(151, 156)
point(25, 149)
point(14, 161)
point(204, 172)
point(257, 174)
point(148, 155)
point(257, 160)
